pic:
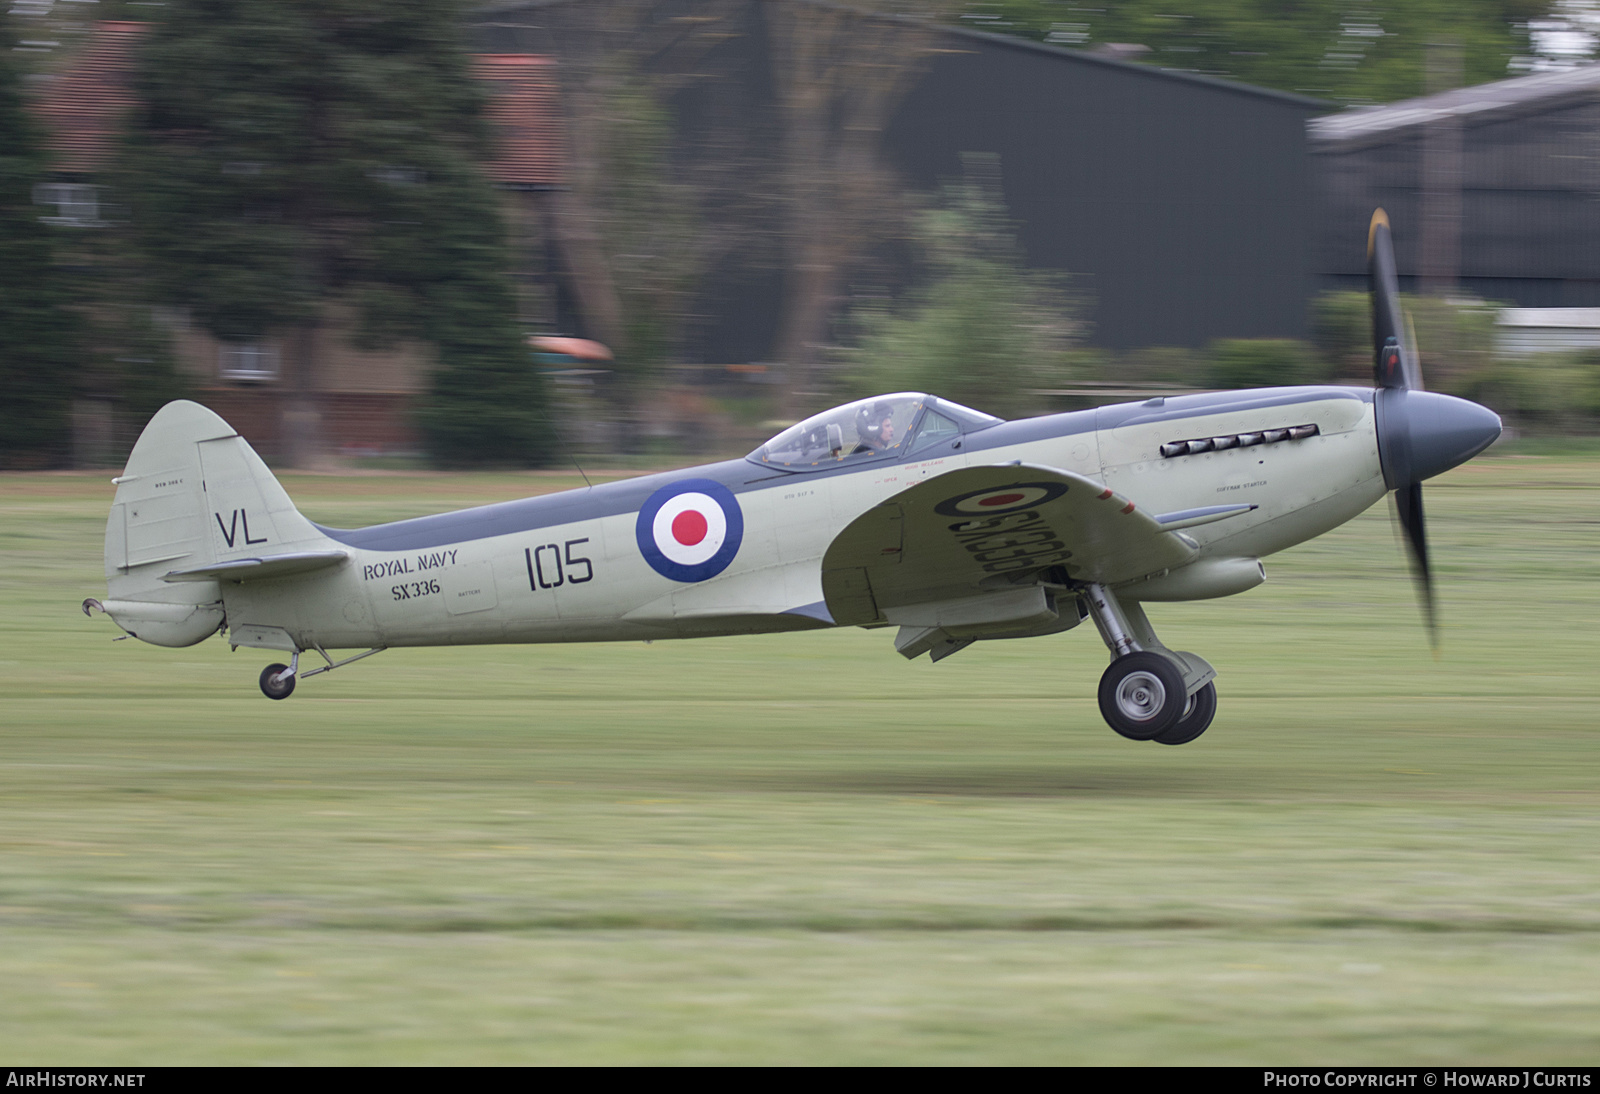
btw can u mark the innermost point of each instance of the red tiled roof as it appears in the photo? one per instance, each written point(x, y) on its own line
point(83, 110)
point(525, 116)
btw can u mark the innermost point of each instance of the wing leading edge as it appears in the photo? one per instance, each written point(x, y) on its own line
point(969, 538)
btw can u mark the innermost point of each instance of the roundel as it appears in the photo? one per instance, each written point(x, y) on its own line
point(1004, 499)
point(691, 530)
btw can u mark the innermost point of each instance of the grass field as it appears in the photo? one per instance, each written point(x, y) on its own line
point(803, 849)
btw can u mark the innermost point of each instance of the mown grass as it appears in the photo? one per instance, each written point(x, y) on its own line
point(804, 849)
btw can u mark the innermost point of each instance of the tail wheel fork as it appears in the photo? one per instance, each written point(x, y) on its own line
point(277, 681)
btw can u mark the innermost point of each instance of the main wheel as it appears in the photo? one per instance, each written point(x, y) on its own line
point(274, 686)
point(1197, 715)
point(1142, 696)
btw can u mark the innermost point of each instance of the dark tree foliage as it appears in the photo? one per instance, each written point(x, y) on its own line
point(39, 334)
point(297, 154)
point(1348, 51)
point(1262, 362)
point(984, 330)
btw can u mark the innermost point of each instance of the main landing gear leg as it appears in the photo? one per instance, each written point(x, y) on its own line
point(1149, 693)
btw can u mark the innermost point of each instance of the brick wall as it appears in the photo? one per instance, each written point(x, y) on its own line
point(355, 424)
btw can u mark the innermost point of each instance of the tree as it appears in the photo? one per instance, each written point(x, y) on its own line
point(1456, 339)
point(985, 329)
point(839, 73)
point(39, 333)
point(1348, 51)
point(645, 208)
point(652, 204)
point(1262, 362)
point(646, 246)
point(290, 157)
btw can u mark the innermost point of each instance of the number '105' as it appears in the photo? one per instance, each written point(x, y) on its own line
point(549, 566)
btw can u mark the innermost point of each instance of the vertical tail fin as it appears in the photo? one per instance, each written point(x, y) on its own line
point(194, 494)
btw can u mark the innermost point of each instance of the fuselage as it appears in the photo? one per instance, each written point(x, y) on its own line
point(573, 566)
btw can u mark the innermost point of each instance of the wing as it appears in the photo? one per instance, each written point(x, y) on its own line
point(982, 531)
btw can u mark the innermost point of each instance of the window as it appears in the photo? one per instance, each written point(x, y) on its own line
point(77, 204)
point(399, 176)
point(934, 429)
point(251, 362)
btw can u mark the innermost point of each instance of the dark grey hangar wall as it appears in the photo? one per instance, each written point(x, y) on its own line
point(1183, 204)
point(1493, 190)
point(1186, 200)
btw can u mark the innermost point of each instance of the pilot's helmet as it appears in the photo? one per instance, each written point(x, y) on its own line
point(870, 419)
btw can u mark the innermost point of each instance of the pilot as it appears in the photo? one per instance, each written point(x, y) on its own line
point(875, 427)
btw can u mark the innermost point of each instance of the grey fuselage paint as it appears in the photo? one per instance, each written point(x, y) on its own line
point(569, 566)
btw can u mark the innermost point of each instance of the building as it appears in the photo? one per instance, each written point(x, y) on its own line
point(1493, 191)
point(1182, 204)
point(364, 399)
point(1524, 332)
point(1185, 201)
point(82, 115)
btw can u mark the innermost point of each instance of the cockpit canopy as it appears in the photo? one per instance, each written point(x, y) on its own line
point(882, 427)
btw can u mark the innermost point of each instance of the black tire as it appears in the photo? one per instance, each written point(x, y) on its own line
point(274, 688)
point(1142, 695)
point(1202, 707)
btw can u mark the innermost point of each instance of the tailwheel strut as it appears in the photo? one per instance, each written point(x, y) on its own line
point(277, 681)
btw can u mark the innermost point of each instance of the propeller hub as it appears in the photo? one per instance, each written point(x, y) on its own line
point(1423, 433)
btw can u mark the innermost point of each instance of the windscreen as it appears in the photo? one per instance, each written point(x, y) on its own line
point(860, 431)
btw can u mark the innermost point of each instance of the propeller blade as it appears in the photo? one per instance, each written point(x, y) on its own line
point(1408, 507)
point(1393, 365)
point(1413, 356)
point(1396, 371)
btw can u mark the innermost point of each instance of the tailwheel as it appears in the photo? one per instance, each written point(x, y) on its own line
point(1142, 696)
point(1197, 715)
point(277, 682)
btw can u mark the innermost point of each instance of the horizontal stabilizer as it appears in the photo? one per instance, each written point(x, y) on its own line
point(256, 569)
